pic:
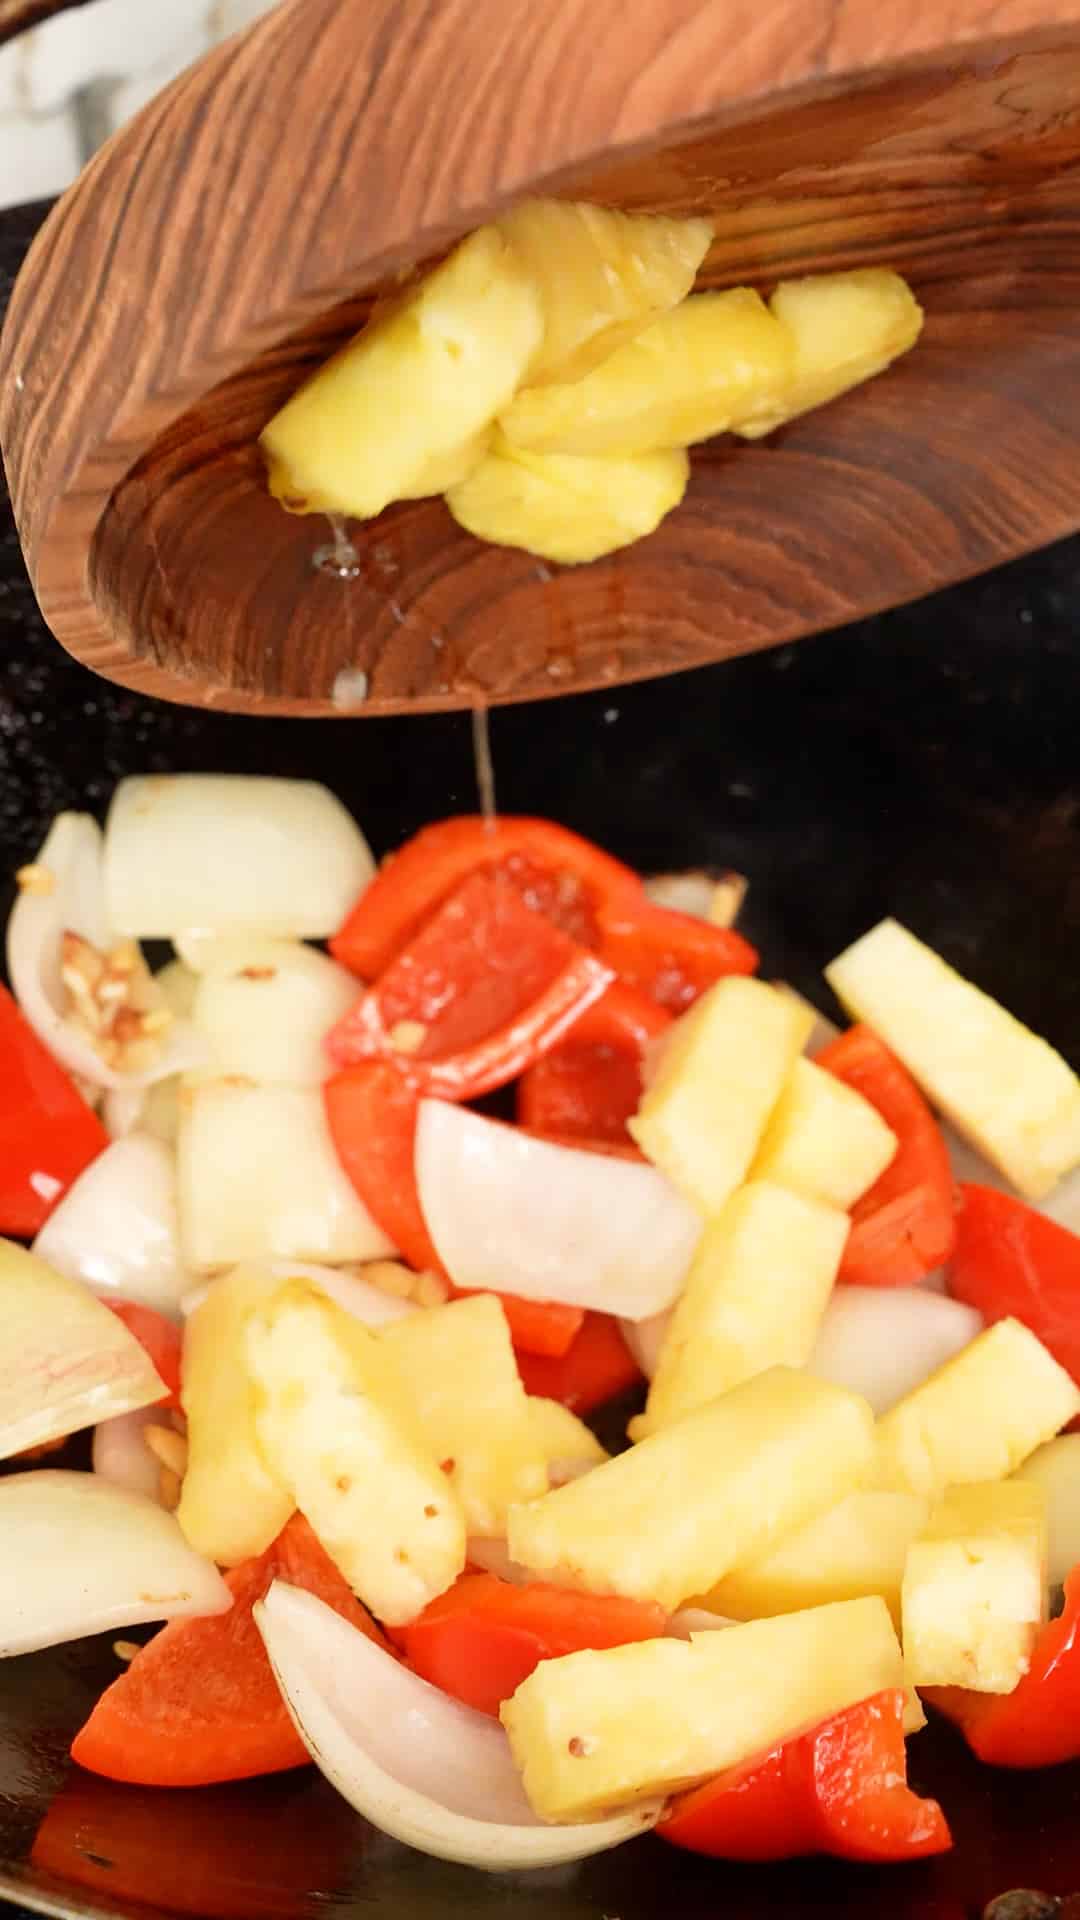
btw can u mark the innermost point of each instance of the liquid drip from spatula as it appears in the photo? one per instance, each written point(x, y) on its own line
point(484, 766)
point(338, 556)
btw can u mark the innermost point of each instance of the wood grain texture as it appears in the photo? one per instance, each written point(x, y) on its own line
point(16, 16)
point(235, 233)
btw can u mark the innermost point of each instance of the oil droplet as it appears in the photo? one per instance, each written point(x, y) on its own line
point(338, 557)
point(484, 765)
point(560, 667)
point(350, 688)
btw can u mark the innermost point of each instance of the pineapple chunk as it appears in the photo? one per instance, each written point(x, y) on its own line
point(564, 508)
point(431, 369)
point(446, 470)
point(569, 1447)
point(1002, 1087)
point(602, 276)
point(858, 1547)
point(1056, 1469)
point(974, 1593)
point(720, 1074)
point(823, 1139)
point(232, 1503)
point(598, 1730)
point(461, 1377)
point(754, 1298)
point(846, 327)
point(978, 1417)
point(337, 1425)
point(716, 361)
point(719, 1488)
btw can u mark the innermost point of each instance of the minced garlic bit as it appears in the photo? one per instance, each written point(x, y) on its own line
point(114, 1002)
point(35, 879)
point(168, 1446)
point(169, 1489)
point(126, 1650)
point(729, 895)
point(407, 1036)
point(424, 1289)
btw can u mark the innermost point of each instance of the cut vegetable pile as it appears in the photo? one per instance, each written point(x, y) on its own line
point(336, 1331)
point(549, 376)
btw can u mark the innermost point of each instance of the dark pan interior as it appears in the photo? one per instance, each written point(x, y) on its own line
point(923, 763)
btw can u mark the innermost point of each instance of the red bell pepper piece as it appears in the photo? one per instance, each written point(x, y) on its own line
point(483, 1637)
point(1009, 1259)
point(840, 1789)
point(198, 1703)
point(672, 957)
point(595, 1367)
point(48, 1134)
point(589, 1086)
point(558, 873)
point(371, 1110)
point(1038, 1723)
point(485, 987)
point(904, 1227)
point(159, 1338)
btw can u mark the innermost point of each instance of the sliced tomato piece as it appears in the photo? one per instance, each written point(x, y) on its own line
point(158, 1337)
point(840, 1789)
point(48, 1134)
point(904, 1227)
point(590, 1085)
point(557, 873)
point(1009, 1259)
point(596, 1366)
point(672, 957)
point(199, 1703)
point(483, 1637)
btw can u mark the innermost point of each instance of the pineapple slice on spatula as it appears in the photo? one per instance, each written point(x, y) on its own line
point(564, 507)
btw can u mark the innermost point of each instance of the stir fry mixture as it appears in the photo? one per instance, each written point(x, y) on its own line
point(335, 1246)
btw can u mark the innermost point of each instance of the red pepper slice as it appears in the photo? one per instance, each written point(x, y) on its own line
point(485, 987)
point(557, 872)
point(198, 1703)
point(840, 1789)
point(1009, 1259)
point(595, 1367)
point(159, 1338)
point(483, 1637)
point(48, 1134)
point(371, 1111)
point(904, 1227)
point(1038, 1723)
point(590, 1085)
point(672, 957)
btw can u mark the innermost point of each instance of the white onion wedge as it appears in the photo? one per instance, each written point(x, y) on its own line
point(116, 1226)
point(82, 1557)
point(259, 1180)
point(417, 1764)
point(645, 1339)
point(518, 1215)
point(121, 1456)
point(233, 853)
point(66, 1362)
point(266, 1011)
point(883, 1342)
point(122, 1110)
point(75, 903)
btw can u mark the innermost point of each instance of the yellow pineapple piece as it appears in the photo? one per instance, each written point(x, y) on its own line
point(974, 1594)
point(719, 1488)
point(857, 1547)
point(445, 470)
point(846, 327)
point(565, 508)
point(336, 1422)
point(714, 362)
point(754, 1297)
point(594, 1731)
point(569, 1447)
point(1009, 1093)
point(823, 1139)
point(1056, 1469)
point(721, 1072)
point(232, 1502)
point(430, 370)
point(602, 276)
point(459, 1372)
point(977, 1417)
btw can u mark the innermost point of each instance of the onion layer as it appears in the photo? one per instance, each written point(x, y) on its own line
point(81, 1557)
point(232, 853)
point(121, 1456)
point(116, 1227)
point(883, 1342)
point(266, 1009)
point(518, 1215)
point(417, 1764)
